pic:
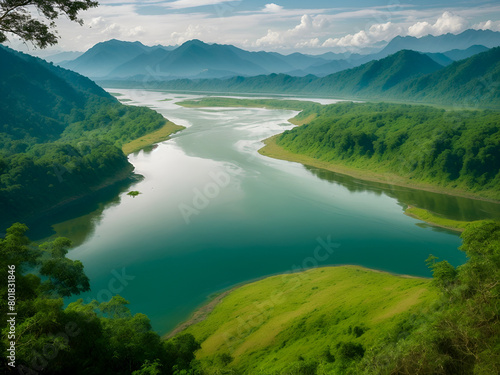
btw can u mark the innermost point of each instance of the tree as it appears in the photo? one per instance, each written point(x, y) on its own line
point(16, 17)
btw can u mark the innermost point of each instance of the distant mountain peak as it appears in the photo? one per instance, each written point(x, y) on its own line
point(195, 42)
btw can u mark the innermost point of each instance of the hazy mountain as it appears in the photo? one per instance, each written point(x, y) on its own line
point(443, 43)
point(460, 54)
point(196, 59)
point(190, 59)
point(116, 59)
point(63, 56)
point(376, 75)
point(406, 75)
point(146, 64)
point(102, 58)
point(330, 67)
point(271, 62)
point(301, 61)
point(447, 58)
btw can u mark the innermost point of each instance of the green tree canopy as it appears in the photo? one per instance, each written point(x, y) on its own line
point(16, 17)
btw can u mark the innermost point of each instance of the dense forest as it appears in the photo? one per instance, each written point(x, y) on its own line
point(93, 338)
point(61, 135)
point(404, 76)
point(452, 149)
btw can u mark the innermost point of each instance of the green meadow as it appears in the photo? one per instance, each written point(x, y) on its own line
point(322, 319)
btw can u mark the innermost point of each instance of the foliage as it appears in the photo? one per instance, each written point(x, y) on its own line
point(453, 149)
point(16, 17)
point(61, 135)
point(462, 335)
point(94, 338)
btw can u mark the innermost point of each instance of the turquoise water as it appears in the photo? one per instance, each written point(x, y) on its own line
point(214, 213)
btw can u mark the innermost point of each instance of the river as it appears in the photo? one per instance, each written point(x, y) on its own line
point(213, 213)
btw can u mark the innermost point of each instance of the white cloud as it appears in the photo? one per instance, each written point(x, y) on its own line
point(488, 25)
point(181, 4)
point(272, 8)
point(376, 33)
point(304, 34)
point(191, 32)
point(97, 22)
point(447, 23)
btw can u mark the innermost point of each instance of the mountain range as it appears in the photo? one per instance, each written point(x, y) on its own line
point(195, 59)
point(403, 76)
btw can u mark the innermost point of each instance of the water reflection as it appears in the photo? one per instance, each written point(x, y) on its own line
point(449, 206)
point(77, 221)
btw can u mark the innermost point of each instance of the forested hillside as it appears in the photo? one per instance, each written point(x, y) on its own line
point(377, 76)
point(404, 76)
point(61, 135)
point(452, 149)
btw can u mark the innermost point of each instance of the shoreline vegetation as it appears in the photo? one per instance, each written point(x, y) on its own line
point(439, 221)
point(273, 150)
point(149, 139)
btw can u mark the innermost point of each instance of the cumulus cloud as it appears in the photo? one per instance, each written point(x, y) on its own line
point(272, 8)
point(191, 32)
point(488, 25)
point(376, 33)
point(447, 23)
point(182, 4)
point(304, 34)
point(97, 22)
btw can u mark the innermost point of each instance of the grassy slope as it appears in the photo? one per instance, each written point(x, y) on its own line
point(159, 135)
point(266, 327)
point(439, 221)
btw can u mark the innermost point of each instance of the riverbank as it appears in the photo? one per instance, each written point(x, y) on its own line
point(159, 135)
point(273, 150)
point(430, 218)
point(268, 323)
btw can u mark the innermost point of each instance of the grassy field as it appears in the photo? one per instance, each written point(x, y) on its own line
point(160, 135)
point(282, 324)
point(439, 221)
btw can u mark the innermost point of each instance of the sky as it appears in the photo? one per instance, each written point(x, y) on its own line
point(311, 26)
